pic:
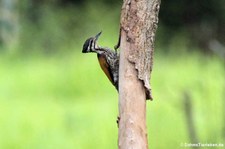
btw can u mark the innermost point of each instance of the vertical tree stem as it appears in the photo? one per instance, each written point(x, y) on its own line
point(138, 23)
point(132, 104)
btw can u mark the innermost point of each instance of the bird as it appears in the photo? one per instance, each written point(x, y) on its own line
point(107, 58)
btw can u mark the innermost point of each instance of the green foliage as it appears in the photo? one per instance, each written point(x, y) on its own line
point(66, 102)
point(52, 96)
point(59, 29)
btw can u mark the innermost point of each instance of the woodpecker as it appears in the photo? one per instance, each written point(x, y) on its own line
point(107, 58)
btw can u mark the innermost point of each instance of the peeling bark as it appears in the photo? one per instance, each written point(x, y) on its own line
point(138, 23)
point(139, 20)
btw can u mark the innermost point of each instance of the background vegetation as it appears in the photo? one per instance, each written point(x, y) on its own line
point(52, 96)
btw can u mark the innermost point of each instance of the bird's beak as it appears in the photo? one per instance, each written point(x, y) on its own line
point(97, 36)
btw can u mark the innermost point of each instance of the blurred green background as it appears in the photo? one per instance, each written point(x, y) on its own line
point(54, 97)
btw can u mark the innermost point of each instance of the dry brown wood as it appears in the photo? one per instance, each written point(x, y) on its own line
point(138, 23)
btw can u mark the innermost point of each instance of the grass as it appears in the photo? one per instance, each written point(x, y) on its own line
point(65, 101)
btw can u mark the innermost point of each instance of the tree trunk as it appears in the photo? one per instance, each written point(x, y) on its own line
point(9, 25)
point(189, 117)
point(139, 20)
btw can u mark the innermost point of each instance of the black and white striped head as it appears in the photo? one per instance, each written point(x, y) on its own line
point(90, 44)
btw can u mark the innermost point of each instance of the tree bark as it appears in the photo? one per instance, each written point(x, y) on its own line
point(138, 23)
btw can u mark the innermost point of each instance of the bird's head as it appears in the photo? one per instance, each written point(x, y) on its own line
point(90, 44)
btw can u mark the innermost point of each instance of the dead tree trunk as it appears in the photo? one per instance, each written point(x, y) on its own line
point(138, 24)
point(188, 109)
